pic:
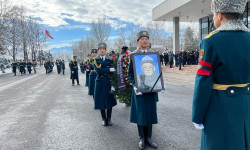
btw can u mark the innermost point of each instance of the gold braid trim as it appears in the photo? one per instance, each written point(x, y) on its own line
point(97, 66)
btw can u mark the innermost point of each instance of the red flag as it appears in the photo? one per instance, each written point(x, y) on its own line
point(47, 33)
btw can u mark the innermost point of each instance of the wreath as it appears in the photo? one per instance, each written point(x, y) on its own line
point(125, 95)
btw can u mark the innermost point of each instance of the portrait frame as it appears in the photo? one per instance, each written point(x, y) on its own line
point(147, 70)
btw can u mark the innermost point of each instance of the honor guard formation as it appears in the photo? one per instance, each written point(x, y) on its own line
point(21, 65)
point(221, 99)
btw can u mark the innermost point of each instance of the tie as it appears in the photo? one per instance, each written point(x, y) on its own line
point(102, 59)
point(144, 51)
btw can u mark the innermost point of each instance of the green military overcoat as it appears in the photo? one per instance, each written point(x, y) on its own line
point(102, 94)
point(92, 77)
point(221, 100)
point(143, 107)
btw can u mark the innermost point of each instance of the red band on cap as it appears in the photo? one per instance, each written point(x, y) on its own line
point(203, 72)
point(206, 64)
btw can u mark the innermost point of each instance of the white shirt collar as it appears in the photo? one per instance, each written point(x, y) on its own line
point(144, 50)
point(103, 57)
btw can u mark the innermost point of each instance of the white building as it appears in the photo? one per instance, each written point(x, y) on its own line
point(190, 11)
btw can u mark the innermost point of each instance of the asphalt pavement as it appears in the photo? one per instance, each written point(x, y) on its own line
point(45, 112)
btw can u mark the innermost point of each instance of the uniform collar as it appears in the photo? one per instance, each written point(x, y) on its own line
point(233, 25)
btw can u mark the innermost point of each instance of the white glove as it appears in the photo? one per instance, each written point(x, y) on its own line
point(137, 93)
point(87, 69)
point(162, 91)
point(72, 71)
point(112, 69)
point(112, 88)
point(198, 126)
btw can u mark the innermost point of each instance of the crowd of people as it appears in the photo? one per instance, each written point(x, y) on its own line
point(49, 65)
point(181, 58)
point(21, 66)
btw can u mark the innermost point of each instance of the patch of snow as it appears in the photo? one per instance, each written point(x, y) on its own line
point(7, 71)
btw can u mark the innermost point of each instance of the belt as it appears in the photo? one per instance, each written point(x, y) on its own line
point(224, 87)
point(92, 70)
point(105, 75)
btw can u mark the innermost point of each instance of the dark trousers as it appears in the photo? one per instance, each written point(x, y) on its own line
point(171, 65)
point(107, 115)
point(166, 63)
point(145, 131)
point(179, 66)
point(14, 71)
point(63, 71)
point(73, 80)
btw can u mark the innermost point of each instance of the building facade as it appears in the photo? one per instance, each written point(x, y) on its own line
point(206, 23)
point(190, 11)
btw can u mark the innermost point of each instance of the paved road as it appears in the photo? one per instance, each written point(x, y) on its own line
point(41, 112)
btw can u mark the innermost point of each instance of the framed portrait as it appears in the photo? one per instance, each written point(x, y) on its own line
point(147, 72)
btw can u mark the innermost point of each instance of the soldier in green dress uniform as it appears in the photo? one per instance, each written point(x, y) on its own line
point(46, 66)
point(14, 66)
point(29, 65)
point(21, 66)
point(82, 66)
point(143, 106)
point(221, 101)
point(92, 74)
point(74, 71)
point(104, 100)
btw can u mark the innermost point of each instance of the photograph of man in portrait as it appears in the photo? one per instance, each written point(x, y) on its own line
point(148, 73)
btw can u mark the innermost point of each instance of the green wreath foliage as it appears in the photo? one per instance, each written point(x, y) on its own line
point(122, 96)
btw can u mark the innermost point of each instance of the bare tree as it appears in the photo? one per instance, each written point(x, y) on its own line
point(24, 33)
point(100, 30)
point(5, 9)
point(14, 32)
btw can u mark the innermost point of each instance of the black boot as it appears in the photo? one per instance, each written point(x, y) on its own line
point(149, 141)
point(104, 118)
point(77, 81)
point(142, 139)
point(109, 112)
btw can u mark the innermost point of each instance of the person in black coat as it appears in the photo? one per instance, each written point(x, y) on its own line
point(166, 58)
point(161, 59)
point(63, 66)
point(24, 66)
point(180, 59)
point(74, 71)
point(184, 58)
point(58, 66)
point(196, 54)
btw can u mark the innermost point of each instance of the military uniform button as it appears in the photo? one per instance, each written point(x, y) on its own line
point(248, 89)
point(232, 91)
